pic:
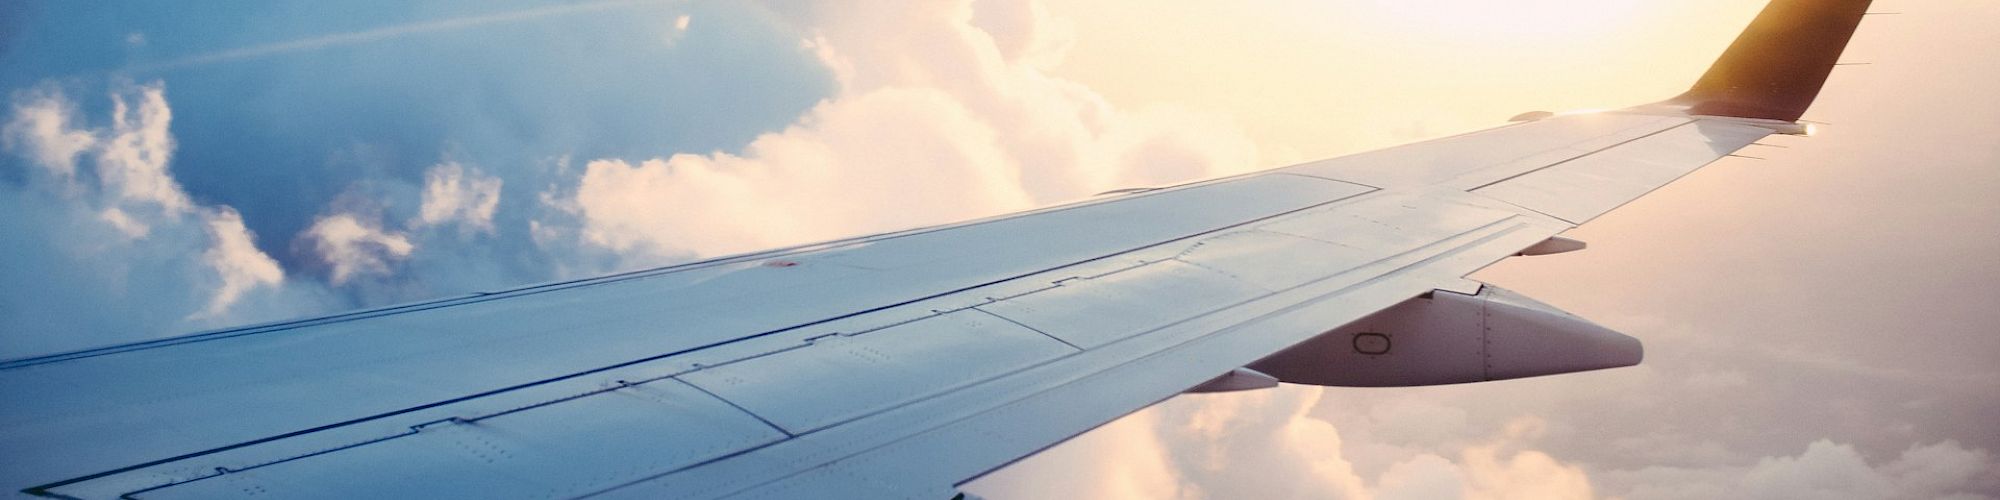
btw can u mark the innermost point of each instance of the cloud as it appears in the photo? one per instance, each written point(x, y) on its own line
point(943, 111)
point(935, 121)
point(1825, 469)
point(235, 258)
point(1025, 31)
point(680, 26)
point(133, 159)
point(455, 194)
point(384, 241)
point(124, 223)
point(311, 160)
point(42, 128)
point(1267, 444)
point(1520, 473)
point(916, 157)
point(352, 247)
point(111, 225)
point(1123, 460)
point(281, 139)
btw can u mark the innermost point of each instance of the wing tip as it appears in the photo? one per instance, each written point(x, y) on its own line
point(1777, 66)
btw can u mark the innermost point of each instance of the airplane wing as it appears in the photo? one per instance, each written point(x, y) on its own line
point(904, 364)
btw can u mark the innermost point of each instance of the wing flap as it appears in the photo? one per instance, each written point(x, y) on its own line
point(548, 450)
point(1092, 311)
point(316, 376)
point(967, 432)
point(836, 378)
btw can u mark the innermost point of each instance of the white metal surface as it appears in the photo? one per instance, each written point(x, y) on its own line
point(1581, 189)
point(549, 450)
point(1025, 411)
point(837, 378)
point(895, 365)
point(1050, 300)
point(304, 377)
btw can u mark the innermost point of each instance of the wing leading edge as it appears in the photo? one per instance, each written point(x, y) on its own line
point(904, 364)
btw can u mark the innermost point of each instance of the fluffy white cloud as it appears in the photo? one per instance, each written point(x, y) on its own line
point(1267, 444)
point(132, 161)
point(945, 111)
point(937, 119)
point(1496, 470)
point(1124, 460)
point(42, 129)
point(1270, 444)
point(351, 246)
point(1824, 470)
point(130, 191)
point(124, 223)
point(236, 259)
point(456, 194)
point(853, 166)
point(1025, 31)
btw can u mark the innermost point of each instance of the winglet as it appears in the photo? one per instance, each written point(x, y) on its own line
point(1777, 66)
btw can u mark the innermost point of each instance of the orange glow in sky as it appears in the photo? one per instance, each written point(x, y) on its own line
point(1299, 75)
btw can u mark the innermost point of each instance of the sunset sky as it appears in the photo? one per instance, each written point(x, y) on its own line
point(1820, 323)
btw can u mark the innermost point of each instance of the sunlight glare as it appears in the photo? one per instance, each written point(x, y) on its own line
point(1501, 22)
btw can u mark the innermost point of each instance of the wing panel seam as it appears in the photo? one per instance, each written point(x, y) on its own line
point(1456, 247)
point(1578, 157)
point(357, 420)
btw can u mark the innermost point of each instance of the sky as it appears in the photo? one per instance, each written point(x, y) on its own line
point(1818, 322)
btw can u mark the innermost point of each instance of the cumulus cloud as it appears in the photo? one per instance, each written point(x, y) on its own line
point(1271, 445)
point(454, 194)
point(943, 111)
point(802, 184)
point(1494, 472)
point(130, 156)
point(385, 240)
point(351, 246)
point(1825, 469)
point(124, 223)
point(43, 128)
point(937, 119)
point(1267, 444)
point(103, 199)
point(1025, 31)
point(1124, 460)
point(236, 259)
point(132, 161)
